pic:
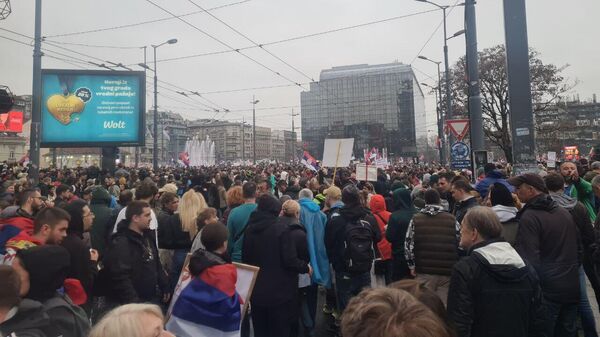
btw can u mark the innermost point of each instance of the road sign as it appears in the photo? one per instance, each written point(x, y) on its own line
point(460, 156)
point(458, 127)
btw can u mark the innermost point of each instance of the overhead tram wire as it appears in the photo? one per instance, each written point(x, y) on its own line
point(300, 37)
point(142, 22)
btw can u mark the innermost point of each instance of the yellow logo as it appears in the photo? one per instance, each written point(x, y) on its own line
point(62, 107)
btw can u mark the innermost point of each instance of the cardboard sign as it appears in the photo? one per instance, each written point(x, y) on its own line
point(366, 172)
point(337, 152)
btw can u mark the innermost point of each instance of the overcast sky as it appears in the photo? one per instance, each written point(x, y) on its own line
point(565, 32)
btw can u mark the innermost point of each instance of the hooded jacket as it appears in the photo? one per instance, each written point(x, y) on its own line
point(102, 215)
point(379, 210)
point(132, 270)
point(314, 222)
point(547, 238)
point(492, 177)
point(510, 224)
point(263, 247)
point(398, 223)
point(493, 293)
point(335, 235)
point(30, 320)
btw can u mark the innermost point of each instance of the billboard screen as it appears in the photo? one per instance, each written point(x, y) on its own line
point(11, 122)
point(82, 108)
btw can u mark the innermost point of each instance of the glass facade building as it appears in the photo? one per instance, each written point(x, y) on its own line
point(377, 105)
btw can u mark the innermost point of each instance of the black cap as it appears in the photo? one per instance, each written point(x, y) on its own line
point(530, 179)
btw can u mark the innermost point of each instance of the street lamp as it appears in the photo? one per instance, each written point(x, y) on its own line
point(254, 102)
point(155, 119)
point(441, 117)
point(446, 64)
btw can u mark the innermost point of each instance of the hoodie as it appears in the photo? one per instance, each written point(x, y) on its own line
point(377, 205)
point(29, 320)
point(510, 224)
point(495, 176)
point(399, 221)
point(507, 306)
point(262, 247)
point(314, 222)
point(505, 213)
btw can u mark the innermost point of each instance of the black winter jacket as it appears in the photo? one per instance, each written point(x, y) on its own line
point(547, 238)
point(170, 233)
point(265, 246)
point(295, 245)
point(132, 270)
point(493, 293)
point(82, 267)
point(462, 207)
point(335, 234)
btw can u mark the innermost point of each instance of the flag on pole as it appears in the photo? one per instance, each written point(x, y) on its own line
point(309, 161)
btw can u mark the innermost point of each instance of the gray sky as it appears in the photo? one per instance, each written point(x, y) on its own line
point(563, 33)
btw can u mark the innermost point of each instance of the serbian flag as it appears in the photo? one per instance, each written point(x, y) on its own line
point(309, 161)
point(208, 306)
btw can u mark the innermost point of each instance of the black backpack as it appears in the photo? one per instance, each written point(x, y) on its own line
point(358, 246)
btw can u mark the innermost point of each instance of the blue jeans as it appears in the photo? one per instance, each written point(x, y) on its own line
point(561, 319)
point(588, 321)
point(348, 285)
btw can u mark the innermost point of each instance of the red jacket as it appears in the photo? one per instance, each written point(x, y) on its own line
point(377, 205)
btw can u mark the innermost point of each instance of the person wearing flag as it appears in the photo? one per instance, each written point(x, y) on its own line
point(209, 305)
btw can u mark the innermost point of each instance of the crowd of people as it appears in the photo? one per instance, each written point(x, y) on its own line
point(421, 251)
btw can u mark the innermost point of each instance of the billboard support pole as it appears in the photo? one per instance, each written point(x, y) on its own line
point(109, 156)
point(36, 101)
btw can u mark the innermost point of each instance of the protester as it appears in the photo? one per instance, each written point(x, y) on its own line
point(132, 271)
point(493, 292)
point(384, 312)
point(503, 205)
point(64, 196)
point(21, 216)
point(492, 176)
point(43, 271)
point(431, 247)
point(84, 261)
point(547, 238)
point(206, 217)
point(238, 220)
point(333, 201)
point(351, 239)
point(209, 305)
point(234, 199)
point(384, 265)
point(49, 228)
point(396, 232)
point(445, 189)
point(578, 188)
point(132, 320)
point(276, 286)
point(586, 239)
point(100, 232)
point(19, 317)
point(145, 192)
point(464, 200)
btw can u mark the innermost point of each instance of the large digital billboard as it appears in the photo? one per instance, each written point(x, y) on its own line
point(89, 108)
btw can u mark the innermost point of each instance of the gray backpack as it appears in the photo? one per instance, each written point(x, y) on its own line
point(63, 324)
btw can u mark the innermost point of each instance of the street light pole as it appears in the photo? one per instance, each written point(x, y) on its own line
point(441, 117)
point(155, 117)
point(254, 101)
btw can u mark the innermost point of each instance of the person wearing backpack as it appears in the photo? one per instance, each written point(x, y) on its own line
point(384, 265)
point(351, 239)
point(43, 271)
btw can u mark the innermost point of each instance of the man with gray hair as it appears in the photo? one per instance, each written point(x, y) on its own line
point(314, 222)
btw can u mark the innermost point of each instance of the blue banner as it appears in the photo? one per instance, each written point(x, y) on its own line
point(92, 108)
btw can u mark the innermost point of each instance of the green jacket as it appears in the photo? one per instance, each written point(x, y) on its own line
point(236, 225)
point(582, 191)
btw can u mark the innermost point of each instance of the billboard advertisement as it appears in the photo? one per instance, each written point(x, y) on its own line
point(11, 122)
point(89, 108)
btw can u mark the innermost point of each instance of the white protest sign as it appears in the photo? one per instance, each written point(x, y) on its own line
point(337, 152)
point(551, 159)
point(366, 172)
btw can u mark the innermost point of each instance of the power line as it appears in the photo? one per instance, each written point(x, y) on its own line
point(142, 22)
point(300, 37)
point(224, 43)
point(97, 46)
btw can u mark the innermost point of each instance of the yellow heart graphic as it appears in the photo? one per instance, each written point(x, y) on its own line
point(62, 107)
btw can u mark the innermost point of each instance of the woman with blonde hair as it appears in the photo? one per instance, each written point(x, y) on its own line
point(181, 231)
point(132, 320)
